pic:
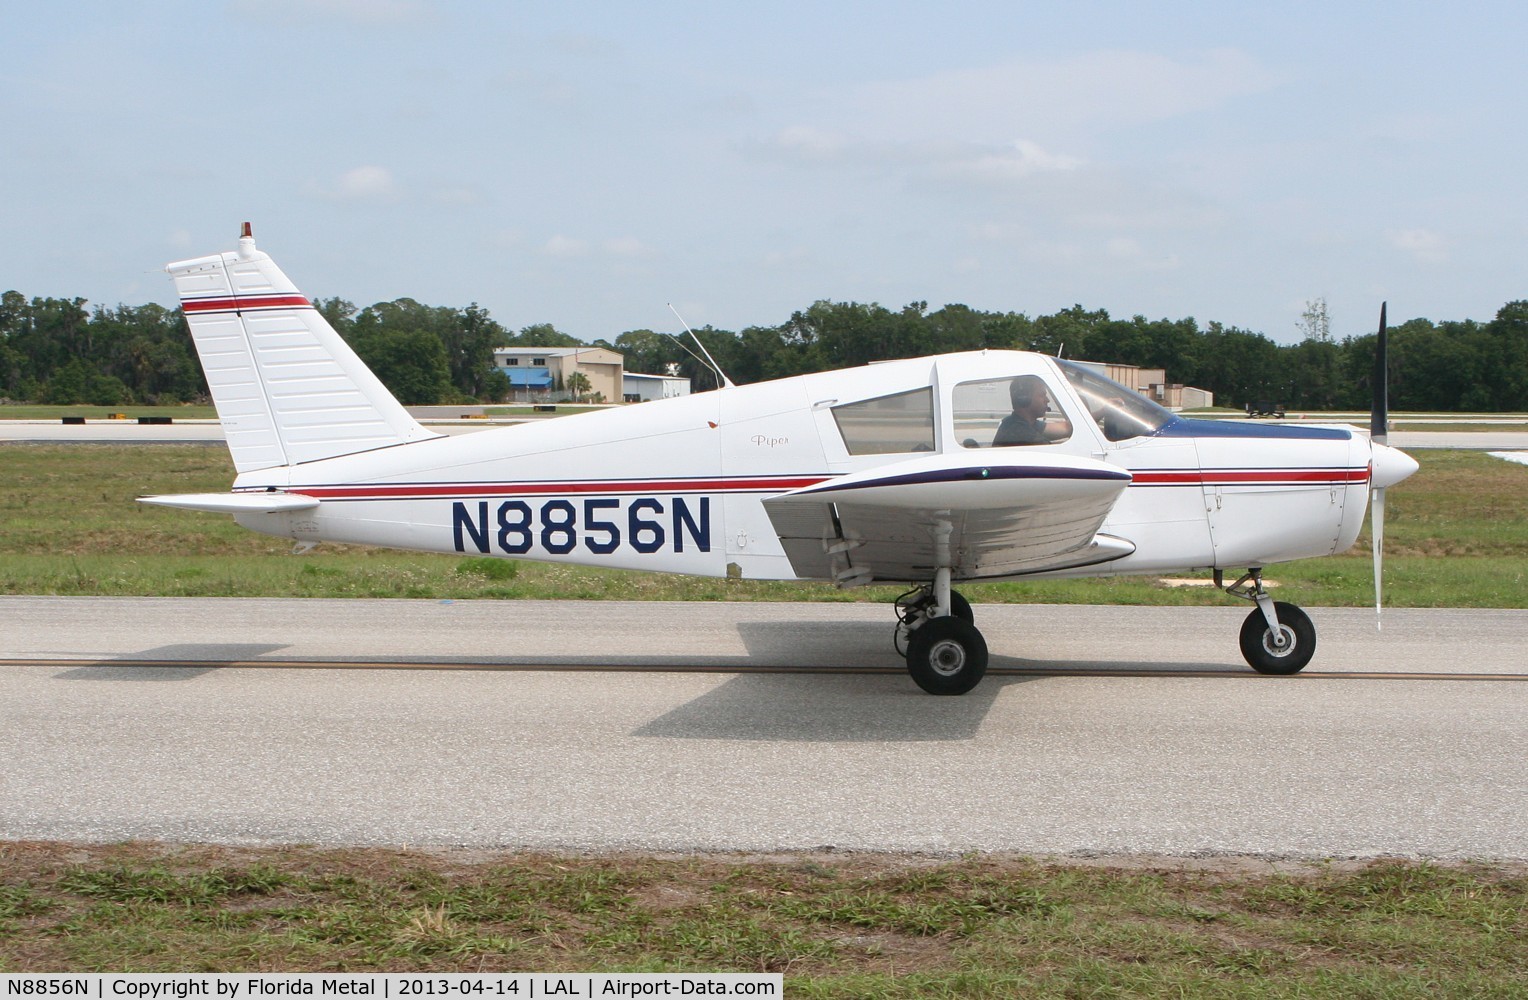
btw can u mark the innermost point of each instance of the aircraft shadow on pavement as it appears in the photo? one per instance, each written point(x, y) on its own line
point(767, 645)
point(1117, 668)
point(806, 644)
point(199, 658)
point(819, 643)
point(828, 708)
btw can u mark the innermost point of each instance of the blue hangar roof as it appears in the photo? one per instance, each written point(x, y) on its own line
point(533, 378)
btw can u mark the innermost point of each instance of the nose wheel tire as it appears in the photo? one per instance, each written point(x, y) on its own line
point(946, 656)
point(1267, 656)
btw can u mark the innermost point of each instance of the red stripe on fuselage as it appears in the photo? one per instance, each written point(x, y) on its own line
point(1249, 477)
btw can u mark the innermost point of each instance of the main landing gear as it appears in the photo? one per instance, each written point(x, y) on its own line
point(945, 652)
point(1276, 638)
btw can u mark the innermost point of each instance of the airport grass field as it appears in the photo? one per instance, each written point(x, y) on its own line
point(837, 925)
point(69, 525)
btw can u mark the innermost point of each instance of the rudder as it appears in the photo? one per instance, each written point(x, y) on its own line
point(287, 387)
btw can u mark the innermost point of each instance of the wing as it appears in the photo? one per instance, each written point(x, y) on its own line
point(1019, 513)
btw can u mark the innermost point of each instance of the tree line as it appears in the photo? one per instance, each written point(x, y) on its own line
point(59, 351)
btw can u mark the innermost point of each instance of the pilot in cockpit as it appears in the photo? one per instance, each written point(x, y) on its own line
point(1027, 424)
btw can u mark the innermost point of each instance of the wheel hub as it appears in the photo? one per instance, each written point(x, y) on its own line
point(1279, 645)
point(947, 658)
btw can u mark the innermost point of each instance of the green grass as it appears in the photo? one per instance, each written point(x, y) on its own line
point(38, 411)
point(69, 525)
point(1462, 428)
point(559, 409)
point(837, 926)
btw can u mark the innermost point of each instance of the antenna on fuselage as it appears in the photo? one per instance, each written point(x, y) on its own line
point(708, 361)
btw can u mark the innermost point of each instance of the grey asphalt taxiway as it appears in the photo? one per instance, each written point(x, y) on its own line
point(755, 727)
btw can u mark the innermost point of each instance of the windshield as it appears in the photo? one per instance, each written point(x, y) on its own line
point(1121, 412)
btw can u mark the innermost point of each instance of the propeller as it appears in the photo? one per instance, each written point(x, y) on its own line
point(1379, 434)
point(1387, 465)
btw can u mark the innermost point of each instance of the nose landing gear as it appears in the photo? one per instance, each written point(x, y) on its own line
point(1277, 637)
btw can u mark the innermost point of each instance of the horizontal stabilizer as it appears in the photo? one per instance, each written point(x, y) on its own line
point(263, 502)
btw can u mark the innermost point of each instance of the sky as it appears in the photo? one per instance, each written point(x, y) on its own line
point(585, 164)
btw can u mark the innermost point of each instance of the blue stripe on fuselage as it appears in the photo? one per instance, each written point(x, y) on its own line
point(1190, 427)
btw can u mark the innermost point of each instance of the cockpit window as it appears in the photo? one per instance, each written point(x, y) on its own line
point(888, 425)
point(1121, 412)
point(1002, 412)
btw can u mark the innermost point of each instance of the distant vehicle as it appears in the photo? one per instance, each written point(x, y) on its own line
point(988, 465)
point(1265, 409)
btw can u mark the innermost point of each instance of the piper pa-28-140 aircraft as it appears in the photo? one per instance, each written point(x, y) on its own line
point(988, 465)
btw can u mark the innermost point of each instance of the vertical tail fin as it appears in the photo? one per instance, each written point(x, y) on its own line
point(287, 387)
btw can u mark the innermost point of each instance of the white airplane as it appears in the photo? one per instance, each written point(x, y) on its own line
point(988, 465)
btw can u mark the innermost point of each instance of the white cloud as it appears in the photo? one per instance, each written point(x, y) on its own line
point(565, 246)
point(507, 239)
point(1425, 245)
point(789, 258)
point(457, 196)
point(1123, 247)
point(1105, 88)
point(1129, 250)
point(585, 45)
point(1018, 160)
point(365, 183)
point(813, 145)
point(1410, 127)
point(361, 12)
point(989, 163)
point(1020, 241)
point(542, 89)
point(626, 246)
point(623, 247)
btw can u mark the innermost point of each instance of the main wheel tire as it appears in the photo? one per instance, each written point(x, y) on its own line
point(1257, 640)
point(946, 656)
point(961, 608)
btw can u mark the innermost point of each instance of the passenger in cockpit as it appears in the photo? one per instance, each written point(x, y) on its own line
point(1027, 423)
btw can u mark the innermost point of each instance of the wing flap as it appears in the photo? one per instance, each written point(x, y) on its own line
point(1023, 514)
